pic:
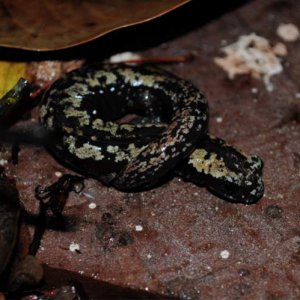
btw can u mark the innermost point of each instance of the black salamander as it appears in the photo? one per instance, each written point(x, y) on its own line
point(85, 107)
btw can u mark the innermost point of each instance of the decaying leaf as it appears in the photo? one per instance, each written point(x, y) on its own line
point(57, 24)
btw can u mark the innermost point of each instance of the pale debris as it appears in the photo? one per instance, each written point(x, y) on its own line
point(288, 32)
point(224, 254)
point(92, 205)
point(44, 72)
point(280, 49)
point(3, 162)
point(254, 90)
point(139, 228)
point(252, 54)
point(219, 119)
point(124, 56)
point(88, 195)
point(58, 174)
point(74, 247)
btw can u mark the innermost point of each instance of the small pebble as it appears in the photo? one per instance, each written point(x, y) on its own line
point(209, 268)
point(219, 119)
point(58, 174)
point(138, 228)
point(92, 205)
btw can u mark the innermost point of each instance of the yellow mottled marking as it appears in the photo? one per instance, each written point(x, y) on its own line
point(213, 166)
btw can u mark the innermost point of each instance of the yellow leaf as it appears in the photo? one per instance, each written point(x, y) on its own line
point(10, 73)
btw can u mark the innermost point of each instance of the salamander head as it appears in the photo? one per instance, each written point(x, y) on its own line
point(248, 187)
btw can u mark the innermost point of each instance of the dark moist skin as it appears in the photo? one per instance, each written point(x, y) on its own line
point(84, 108)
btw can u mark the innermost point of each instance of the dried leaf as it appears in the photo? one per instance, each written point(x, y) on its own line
point(57, 24)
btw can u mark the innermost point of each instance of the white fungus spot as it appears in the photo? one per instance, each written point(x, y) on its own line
point(74, 247)
point(224, 254)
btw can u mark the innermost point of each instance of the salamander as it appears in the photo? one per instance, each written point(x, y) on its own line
point(85, 109)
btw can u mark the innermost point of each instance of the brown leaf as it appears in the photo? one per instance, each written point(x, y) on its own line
point(51, 25)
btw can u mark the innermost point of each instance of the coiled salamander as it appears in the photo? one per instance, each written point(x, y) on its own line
point(85, 109)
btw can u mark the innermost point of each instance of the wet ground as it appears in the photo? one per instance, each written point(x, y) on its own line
point(178, 239)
